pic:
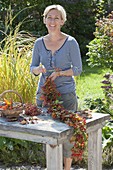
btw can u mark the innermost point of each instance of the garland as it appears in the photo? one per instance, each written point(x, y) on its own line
point(50, 99)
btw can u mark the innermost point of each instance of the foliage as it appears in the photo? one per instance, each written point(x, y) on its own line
point(77, 25)
point(97, 105)
point(108, 91)
point(101, 9)
point(15, 58)
point(77, 11)
point(107, 136)
point(50, 99)
point(14, 151)
point(100, 54)
point(89, 85)
point(31, 11)
point(101, 47)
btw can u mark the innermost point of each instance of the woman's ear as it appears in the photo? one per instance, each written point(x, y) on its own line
point(62, 23)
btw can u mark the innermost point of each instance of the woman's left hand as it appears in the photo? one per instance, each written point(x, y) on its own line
point(54, 75)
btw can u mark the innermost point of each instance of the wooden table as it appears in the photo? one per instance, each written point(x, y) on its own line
point(52, 132)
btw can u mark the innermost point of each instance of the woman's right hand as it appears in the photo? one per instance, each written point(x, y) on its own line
point(39, 69)
point(42, 69)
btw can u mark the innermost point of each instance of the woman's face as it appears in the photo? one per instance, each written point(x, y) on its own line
point(53, 20)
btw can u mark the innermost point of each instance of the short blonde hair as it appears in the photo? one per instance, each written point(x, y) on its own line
point(57, 7)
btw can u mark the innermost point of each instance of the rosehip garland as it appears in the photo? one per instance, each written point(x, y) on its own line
point(50, 98)
point(50, 93)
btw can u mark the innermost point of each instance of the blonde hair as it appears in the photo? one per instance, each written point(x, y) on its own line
point(57, 7)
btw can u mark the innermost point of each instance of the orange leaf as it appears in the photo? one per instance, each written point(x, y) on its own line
point(5, 107)
point(7, 102)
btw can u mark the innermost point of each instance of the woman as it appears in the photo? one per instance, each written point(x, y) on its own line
point(57, 55)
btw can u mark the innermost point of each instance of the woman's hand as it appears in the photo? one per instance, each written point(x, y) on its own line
point(54, 75)
point(42, 69)
point(39, 69)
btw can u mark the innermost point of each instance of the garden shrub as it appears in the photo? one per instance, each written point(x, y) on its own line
point(107, 143)
point(101, 47)
point(108, 91)
point(14, 152)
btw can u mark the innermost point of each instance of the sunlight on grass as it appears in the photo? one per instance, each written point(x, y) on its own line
point(89, 84)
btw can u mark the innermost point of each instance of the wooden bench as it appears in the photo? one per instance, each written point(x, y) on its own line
point(52, 132)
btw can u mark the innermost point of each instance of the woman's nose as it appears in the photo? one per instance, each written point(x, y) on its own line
point(52, 19)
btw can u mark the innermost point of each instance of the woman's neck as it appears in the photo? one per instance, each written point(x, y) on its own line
point(55, 37)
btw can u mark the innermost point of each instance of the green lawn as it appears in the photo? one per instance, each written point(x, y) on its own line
point(89, 83)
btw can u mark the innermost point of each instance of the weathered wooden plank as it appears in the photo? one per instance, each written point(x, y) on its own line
point(97, 118)
point(33, 138)
point(95, 150)
point(94, 128)
point(46, 126)
point(54, 157)
point(29, 137)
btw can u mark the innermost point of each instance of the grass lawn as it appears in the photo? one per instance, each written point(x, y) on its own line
point(89, 83)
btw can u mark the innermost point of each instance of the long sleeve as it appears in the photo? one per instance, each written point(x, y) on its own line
point(75, 57)
point(35, 57)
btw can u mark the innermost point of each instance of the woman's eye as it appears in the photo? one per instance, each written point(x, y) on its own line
point(48, 17)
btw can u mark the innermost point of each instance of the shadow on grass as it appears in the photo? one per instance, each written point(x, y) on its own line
point(87, 70)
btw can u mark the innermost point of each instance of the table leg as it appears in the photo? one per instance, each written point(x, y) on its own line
point(54, 157)
point(95, 150)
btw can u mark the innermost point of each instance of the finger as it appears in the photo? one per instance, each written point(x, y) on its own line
point(43, 69)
